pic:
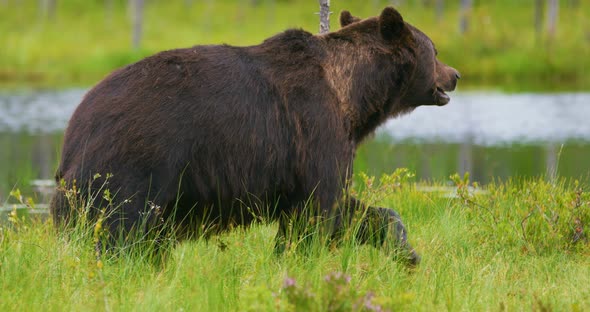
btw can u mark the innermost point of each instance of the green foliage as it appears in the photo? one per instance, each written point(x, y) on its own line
point(372, 192)
point(543, 216)
point(510, 245)
point(86, 40)
point(337, 295)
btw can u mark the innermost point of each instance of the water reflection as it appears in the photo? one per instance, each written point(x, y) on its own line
point(436, 160)
point(38, 112)
point(496, 118)
point(25, 157)
point(491, 135)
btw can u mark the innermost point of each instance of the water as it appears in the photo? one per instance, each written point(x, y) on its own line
point(491, 135)
point(38, 112)
point(495, 119)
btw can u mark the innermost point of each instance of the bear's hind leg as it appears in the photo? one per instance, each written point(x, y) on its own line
point(383, 228)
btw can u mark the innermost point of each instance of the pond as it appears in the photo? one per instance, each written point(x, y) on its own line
point(491, 135)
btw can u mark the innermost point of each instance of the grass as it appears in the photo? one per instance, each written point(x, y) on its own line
point(510, 247)
point(84, 42)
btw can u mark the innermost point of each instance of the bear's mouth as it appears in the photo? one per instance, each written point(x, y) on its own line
point(441, 97)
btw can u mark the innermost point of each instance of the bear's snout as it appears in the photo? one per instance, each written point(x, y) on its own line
point(448, 81)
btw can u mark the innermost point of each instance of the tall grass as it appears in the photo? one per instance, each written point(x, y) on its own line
point(518, 245)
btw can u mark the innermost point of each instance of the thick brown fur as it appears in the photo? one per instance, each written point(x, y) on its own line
point(212, 134)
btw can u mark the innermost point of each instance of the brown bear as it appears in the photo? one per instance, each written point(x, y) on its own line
point(215, 135)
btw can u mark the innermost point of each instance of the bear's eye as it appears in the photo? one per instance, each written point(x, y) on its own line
point(435, 52)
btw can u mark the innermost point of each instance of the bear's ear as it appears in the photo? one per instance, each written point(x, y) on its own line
point(346, 18)
point(391, 23)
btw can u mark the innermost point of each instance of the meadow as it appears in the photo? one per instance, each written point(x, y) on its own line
point(517, 245)
point(86, 40)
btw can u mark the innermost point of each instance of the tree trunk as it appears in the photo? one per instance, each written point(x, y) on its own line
point(47, 8)
point(465, 161)
point(552, 17)
point(465, 12)
point(51, 8)
point(272, 11)
point(440, 5)
point(208, 13)
point(109, 11)
point(539, 16)
point(324, 16)
point(137, 12)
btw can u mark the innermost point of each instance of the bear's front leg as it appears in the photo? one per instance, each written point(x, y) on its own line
point(383, 228)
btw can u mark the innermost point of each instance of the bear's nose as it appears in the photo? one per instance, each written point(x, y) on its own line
point(457, 75)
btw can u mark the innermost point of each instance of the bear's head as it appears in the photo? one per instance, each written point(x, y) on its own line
point(421, 78)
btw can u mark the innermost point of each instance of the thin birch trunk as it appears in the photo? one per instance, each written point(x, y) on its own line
point(324, 16)
point(552, 12)
point(465, 12)
point(440, 5)
point(539, 8)
point(137, 12)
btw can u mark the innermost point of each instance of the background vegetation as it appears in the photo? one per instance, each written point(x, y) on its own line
point(502, 43)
